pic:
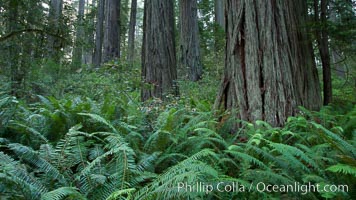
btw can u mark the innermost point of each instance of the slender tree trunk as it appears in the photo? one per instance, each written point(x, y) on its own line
point(323, 44)
point(159, 70)
point(89, 34)
point(269, 69)
point(336, 54)
point(131, 42)
point(219, 13)
point(79, 40)
point(97, 57)
point(219, 27)
point(54, 44)
point(189, 39)
point(112, 35)
point(124, 23)
point(16, 75)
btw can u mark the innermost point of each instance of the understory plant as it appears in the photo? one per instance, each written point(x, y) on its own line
point(77, 148)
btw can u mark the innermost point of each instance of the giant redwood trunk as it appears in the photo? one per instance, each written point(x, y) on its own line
point(269, 68)
point(189, 39)
point(111, 33)
point(159, 70)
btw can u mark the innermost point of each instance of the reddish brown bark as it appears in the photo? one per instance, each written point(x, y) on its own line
point(269, 69)
point(159, 70)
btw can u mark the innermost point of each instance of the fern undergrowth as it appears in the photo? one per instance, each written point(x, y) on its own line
point(76, 148)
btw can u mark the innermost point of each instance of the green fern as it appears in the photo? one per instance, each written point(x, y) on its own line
point(241, 156)
point(33, 157)
point(120, 194)
point(335, 140)
point(100, 119)
point(63, 193)
point(343, 169)
point(14, 172)
point(190, 170)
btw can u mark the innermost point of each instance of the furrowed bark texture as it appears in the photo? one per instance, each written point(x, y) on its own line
point(269, 68)
point(112, 31)
point(159, 70)
point(189, 39)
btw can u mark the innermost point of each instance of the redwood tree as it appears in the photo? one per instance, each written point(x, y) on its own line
point(132, 26)
point(189, 39)
point(112, 30)
point(97, 56)
point(270, 68)
point(219, 12)
point(323, 45)
point(54, 21)
point(159, 70)
point(79, 38)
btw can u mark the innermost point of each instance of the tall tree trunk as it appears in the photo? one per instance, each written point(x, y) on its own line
point(336, 54)
point(219, 13)
point(79, 40)
point(269, 69)
point(16, 75)
point(97, 57)
point(124, 23)
point(89, 34)
point(189, 39)
point(159, 70)
point(219, 27)
point(54, 43)
point(131, 42)
point(323, 44)
point(112, 35)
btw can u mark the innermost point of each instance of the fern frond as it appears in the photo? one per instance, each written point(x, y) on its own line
point(267, 177)
point(190, 170)
point(100, 119)
point(170, 157)
point(159, 140)
point(95, 152)
point(33, 157)
point(63, 193)
point(246, 157)
point(335, 140)
point(46, 102)
point(119, 194)
point(19, 175)
point(33, 131)
point(264, 152)
point(343, 169)
point(290, 152)
point(147, 161)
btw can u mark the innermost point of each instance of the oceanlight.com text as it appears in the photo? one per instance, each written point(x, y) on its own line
point(260, 187)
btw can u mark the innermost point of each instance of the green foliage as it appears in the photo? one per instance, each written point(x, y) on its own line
point(62, 193)
point(343, 169)
point(77, 148)
point(85, 135)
